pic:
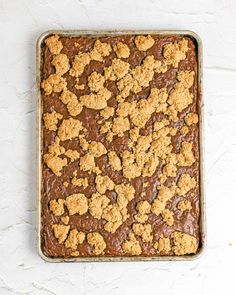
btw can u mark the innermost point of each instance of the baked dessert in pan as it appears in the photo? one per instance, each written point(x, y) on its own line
point(120, 146)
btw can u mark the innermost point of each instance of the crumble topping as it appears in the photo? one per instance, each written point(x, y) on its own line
point(77, 204)
point(114, 218)
point(131, 246)
point(60, 232)
point(144, 231)
point(57, 207)
point(97, 204)
point(81, 60)
point(79, 86)
point(164, 195)
point(167, 216)
point(117, 70)
point(191, 118)
point(184, 130)
point(121, 50)
point(69, 129)
point(74, 107)
point(181, 97)
point(66, 183)
point(96, 81)
point(96, 240)
point(74, 253)
point(87, 163)
point(54, 44)
point(55, 163)
point(65, 219)
point(104, 183)
point(96, 101)
point(54, 83)
point(74, 239)
point(97, 149)
point(143, 43)
point(140, 76)
point(72, 154)
point(143, 208)
point(114, 161)
point(51, 120)
point(186, 156)
point(79, 182)
point(61, 63)
point(184, 243)
point(184, 205)
point(163, 245)
point(175, 52)
point(107, 112)
point(185, 184)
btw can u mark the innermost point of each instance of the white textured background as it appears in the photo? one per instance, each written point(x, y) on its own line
point(21, 270)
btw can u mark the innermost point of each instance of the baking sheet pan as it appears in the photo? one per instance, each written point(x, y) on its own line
point(202, 222)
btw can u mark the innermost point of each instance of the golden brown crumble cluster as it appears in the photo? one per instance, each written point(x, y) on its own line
point(144, 155)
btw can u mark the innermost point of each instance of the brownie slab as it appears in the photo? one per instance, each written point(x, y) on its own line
point(120, 152)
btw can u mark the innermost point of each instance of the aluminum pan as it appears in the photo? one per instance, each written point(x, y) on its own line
point(74, 33)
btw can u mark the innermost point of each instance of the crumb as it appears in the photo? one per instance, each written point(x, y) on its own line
point(105, 127)
point(143, 43)
point(144, 231)
point(175, 52)
point(184, 243)
point(57, 206)
point(69, 128)
point(185, 184)
point(184, 205)
point(96, 101)
point(74, 239)
point(191, 118)
point(184, 130)
point(79, 86)
point(107, 112)
point(80, 182)
point(186, 156)
point(114, 161)
point(113, 216)
point(55, 163)
point(51, 120)
point(167, 216)
point(117, 70)
point(96, 81)
point(60, 232)
point(97, 242)
point(180, 97)
point(120, 125)
point(74, 107)
point(54, 83)
point(121, 50)
point(80, 62)
point(72, 154)
point(163, 245)
point(77, 203)
point(61, 63)
point(100, 50)
point(131, 246)
point(97, 204)
point(97, 149)
point(65, 219)
point(104, 183)
point(54, 44)
point(66, 183)
point(74, 253)
point(87, 163)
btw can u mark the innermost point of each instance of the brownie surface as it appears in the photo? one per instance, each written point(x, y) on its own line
point(167, 225)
